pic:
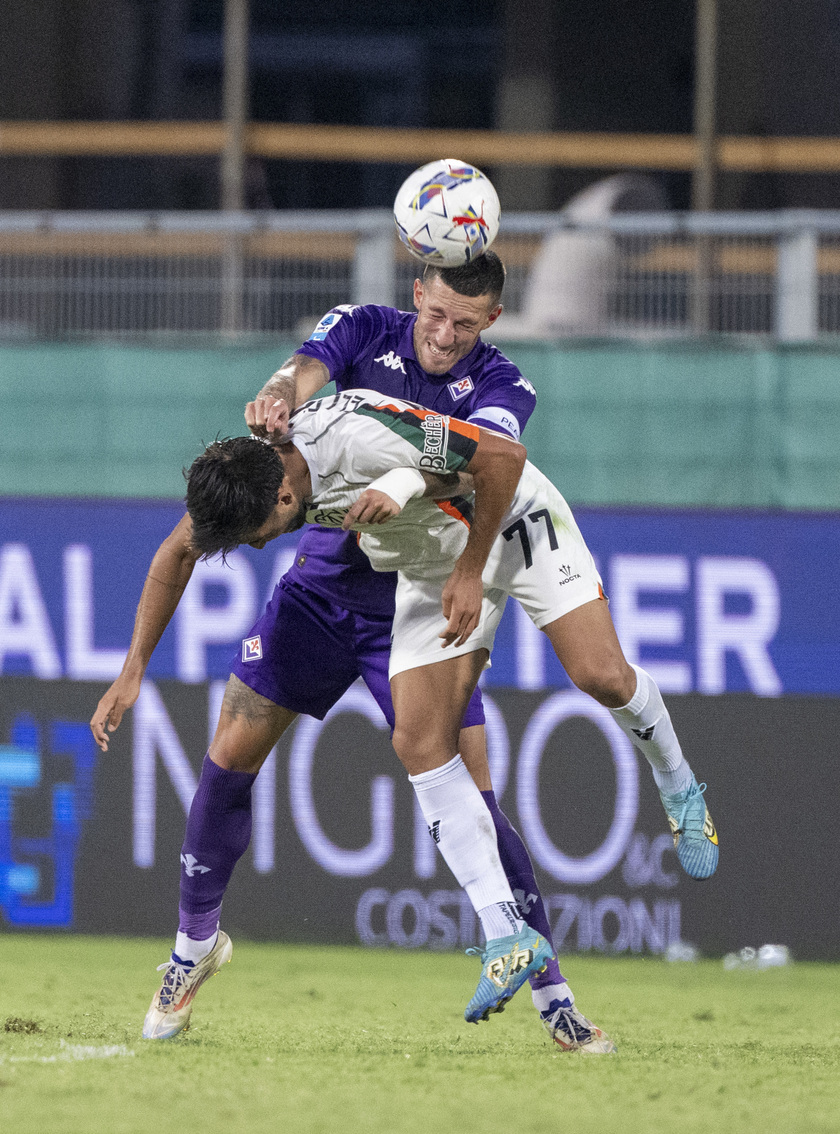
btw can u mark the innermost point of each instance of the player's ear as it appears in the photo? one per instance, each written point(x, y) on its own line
point(494, 314)
point(418, 293)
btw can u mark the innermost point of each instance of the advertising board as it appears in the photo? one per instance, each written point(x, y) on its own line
point(339, 853)
point(727, 610)
point(709, 602)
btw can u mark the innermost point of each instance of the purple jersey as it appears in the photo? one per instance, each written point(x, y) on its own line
point(373, 348)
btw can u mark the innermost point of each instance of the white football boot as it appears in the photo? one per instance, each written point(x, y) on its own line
point(171, 1007)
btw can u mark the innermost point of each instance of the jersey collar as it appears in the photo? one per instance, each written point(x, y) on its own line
point(313, 472)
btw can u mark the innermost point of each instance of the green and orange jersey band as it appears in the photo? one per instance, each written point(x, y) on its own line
point(408, 423)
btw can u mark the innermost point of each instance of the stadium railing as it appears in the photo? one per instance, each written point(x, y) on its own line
point(661, 275)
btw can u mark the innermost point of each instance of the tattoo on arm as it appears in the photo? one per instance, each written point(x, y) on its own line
point(443, 486)
point(174, 585)
point(282, 385)
point(296, 380)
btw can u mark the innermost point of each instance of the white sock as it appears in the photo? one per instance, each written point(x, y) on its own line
point(190, 950)
point(648, 724)
point(461, 824)
point(544, 997)
point(500, 920)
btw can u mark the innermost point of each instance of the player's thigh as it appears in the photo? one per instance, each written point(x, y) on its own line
point(429, 705)
point(419, 622)
point(541, 558)
point(547, 567)
point(373, 651)
point(300, 653)
point(249, 726)
point(587, 646)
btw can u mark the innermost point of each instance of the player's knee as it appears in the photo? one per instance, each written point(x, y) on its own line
point(610, 681)
point(417, 750)
point(249, 726)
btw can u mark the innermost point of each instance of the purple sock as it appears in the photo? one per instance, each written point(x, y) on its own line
point(218, 832)
point(516, 864)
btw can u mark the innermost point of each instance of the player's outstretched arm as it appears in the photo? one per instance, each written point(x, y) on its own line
point(496, 467)
point(297, 380)
point(168, 575)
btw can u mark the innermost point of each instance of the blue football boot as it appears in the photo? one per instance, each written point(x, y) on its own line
point(506, 963)
point(695, 835)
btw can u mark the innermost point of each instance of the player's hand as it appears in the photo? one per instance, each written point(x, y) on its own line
point(267, 416)
point(372, 507)
point(109, 712)
point(461, 603)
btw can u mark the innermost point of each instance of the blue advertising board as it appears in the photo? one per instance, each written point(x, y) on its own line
point(709, 601)
point(729, 610)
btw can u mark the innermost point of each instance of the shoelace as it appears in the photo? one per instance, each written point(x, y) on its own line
point(575, 1028)
point(174, 981)
point(692, 795)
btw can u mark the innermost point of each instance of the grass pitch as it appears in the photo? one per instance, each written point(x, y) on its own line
point(339, 1041)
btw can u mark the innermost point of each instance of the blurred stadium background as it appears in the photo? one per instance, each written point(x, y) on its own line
point(185, 188)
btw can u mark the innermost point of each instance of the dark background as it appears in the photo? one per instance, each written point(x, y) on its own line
point(521, 65)
point(768, 763)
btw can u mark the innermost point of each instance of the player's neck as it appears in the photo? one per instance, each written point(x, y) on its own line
point(297, 471)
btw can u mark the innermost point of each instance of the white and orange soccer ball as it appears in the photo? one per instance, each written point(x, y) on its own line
point(447, 213)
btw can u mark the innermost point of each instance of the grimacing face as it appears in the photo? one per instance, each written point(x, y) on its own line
point(448, 324)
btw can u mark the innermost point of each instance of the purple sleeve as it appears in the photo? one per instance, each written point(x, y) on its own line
point(337, 338)
point(506, 404)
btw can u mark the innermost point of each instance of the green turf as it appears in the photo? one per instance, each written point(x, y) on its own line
point(343, 1041)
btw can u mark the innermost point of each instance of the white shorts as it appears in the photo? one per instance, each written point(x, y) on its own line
point(539, 558)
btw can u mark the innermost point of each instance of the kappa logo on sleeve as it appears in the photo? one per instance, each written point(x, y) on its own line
point(252, 648)
point(526, 385)
point(461, 388)
point(325, 326)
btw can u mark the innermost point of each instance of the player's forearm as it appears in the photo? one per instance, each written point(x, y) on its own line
point(170, 571)
point(496, 469)
point(443, 486)
point(296, 380)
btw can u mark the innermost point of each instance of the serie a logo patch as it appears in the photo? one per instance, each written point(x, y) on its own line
point(252, 648)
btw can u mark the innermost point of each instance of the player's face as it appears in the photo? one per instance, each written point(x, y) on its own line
point(288, 515)
point(448, 324)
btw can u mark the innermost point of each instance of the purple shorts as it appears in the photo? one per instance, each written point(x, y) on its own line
point(304, 652)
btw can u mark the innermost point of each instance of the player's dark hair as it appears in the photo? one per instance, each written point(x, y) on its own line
point(231, 491)
point(485, 275)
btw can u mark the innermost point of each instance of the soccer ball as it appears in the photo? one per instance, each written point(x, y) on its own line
point(447, 213)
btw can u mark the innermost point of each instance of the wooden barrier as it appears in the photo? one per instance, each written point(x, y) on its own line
point(732, 258)
point(291, 142)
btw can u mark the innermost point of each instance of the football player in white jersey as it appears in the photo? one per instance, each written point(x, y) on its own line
point(358, 461)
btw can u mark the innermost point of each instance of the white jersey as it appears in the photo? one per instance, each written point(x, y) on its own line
point(352, 439)
point(539, 557)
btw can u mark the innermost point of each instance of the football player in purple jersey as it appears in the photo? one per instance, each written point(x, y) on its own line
point(338, 611)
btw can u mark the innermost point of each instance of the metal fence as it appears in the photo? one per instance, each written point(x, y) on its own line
point(112, 275)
